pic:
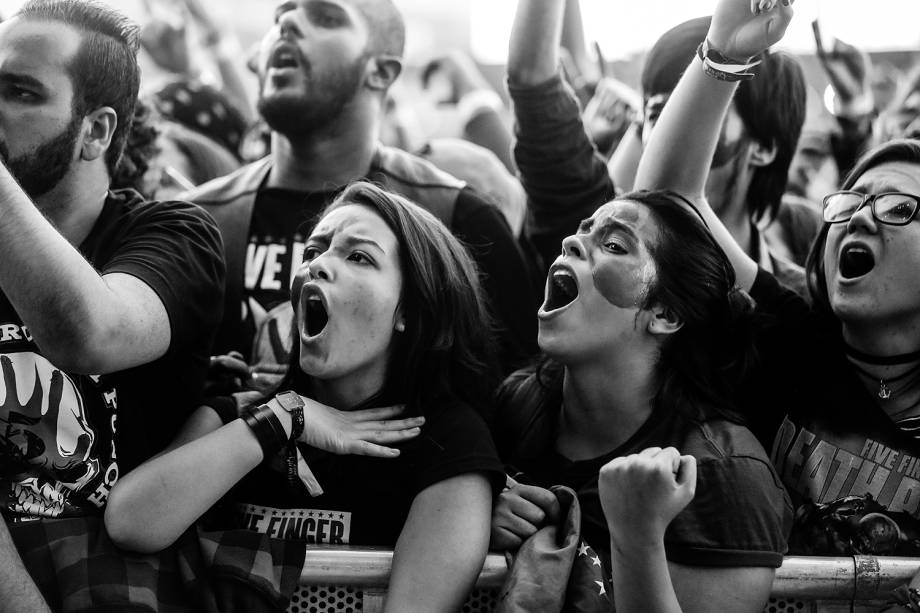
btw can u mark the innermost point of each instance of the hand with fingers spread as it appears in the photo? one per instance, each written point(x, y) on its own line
point(641, 493)
point(519, 512)
point(363, 432)
point(744, 28)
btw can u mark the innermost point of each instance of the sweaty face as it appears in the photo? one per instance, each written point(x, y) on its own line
point(871, 268)
point(596, 288)
point(38, 130)
point(311, 64)
point(347, 308)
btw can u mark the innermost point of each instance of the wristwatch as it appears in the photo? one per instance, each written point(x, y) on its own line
point(293, 404)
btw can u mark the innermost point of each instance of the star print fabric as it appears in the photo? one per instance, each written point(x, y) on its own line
point(556, 571)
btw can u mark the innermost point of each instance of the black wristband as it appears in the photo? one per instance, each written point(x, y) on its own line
point(267, 427)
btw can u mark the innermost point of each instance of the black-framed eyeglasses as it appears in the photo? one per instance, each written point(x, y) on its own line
point(892, 208)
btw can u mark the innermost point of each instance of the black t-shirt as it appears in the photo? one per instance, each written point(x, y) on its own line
point(58, 455)
point(739, 516)
point(365, 500)
point(829, 438)
point(281, 222)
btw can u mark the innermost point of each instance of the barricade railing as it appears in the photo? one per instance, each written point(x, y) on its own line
point(352, 579)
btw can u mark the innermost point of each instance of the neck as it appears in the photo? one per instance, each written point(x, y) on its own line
point(884, 339)
point(346, 393)
point(75, 203)
point(605, 404)
point(327, 159)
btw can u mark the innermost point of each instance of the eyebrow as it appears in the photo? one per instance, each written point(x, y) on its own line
point(14, 78)
point(284, 7)
point(587, 225)
point(350, 241)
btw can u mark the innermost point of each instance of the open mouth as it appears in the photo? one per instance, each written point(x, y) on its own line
point(561, 290)
point(855, 261)
point(315, 315)
point(284, 57)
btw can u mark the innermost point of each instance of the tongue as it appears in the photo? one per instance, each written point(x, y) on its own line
point(855, 263)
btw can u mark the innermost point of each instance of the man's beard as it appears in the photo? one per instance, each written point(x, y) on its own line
point(297, 116)
point(39, 171)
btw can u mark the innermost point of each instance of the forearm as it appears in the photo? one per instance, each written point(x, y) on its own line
point(18, 593)
point(533, 54)
point(151, 506)
point(76, 318)
point(563, 175)
point(625, 159)
point(641, 580)
point(442, 546)
point(679, 153)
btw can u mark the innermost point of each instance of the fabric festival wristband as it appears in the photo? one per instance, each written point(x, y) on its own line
point(267, 427)
point(723, 68)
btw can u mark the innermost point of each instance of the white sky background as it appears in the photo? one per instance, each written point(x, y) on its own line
point(622, 28)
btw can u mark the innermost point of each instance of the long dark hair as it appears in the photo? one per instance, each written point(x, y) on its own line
point(899, 150)
point(699, 364)
point(446, 349)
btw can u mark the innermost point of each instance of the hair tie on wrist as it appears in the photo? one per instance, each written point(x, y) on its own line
point(724, 68)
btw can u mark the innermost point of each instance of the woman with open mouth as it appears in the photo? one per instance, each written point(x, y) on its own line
point(837, 396)
point(388, 313)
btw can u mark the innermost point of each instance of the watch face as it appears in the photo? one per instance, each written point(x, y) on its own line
point(289, 400)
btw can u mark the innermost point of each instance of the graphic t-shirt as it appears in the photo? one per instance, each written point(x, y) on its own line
point(365, 500)
point(739, 516)
point(65, 438)
point(837, 452)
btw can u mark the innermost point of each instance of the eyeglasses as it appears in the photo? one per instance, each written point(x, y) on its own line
point(892, 208)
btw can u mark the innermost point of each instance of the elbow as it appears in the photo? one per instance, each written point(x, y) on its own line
point(129, 528)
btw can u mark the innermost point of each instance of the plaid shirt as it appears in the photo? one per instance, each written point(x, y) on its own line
point(78, 568)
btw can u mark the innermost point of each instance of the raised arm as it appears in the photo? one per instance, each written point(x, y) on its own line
point(680, 150)
point(564, 176)
point(151, 506)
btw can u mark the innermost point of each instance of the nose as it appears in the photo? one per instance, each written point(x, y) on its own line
point(320, 267)
point(862, 219)
point(290, 23)
point(572, 246)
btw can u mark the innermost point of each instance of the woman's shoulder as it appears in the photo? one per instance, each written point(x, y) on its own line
point(527, 404)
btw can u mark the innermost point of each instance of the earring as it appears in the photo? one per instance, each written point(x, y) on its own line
point(400, 326)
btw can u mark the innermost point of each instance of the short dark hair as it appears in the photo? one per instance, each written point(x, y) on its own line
point(446, 349)
point(898, 150)
point(104, 71)
point(387, 28)
point(771, 106)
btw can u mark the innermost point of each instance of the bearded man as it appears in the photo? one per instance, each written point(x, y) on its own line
point(324, 71)
point(108, 303)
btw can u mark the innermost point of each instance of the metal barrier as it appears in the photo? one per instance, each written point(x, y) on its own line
point(353, 580)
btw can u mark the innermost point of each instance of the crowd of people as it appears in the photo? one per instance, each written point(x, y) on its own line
point(619, 316)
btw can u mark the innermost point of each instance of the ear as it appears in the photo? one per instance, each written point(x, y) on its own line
point(382, 70)
point(663, 321)
point(761, 155)
point(99, 126)
point(399, 320)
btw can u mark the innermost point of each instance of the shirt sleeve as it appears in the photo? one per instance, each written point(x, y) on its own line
point(740, 516)
point(176, 249)
point(564, 176)
point(454, 441)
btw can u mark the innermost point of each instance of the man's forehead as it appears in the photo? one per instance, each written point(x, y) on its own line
point(33, 42)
